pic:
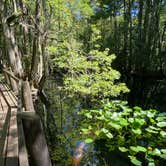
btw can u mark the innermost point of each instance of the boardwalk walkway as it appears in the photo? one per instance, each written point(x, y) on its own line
point(8, 127)
point(22, 140)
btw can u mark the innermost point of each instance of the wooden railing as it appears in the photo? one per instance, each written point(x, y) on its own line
point(32, 147)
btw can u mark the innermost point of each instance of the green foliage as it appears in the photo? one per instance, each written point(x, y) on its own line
point(87, 74)
point(139, 133)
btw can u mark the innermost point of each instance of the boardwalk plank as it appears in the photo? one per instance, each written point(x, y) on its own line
point(12, 147)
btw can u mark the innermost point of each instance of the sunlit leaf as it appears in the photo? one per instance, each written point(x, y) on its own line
point(161, 124)
point(151, 164)
point(114, 125)
point(88, 140)
point(123, 149)
point(136, 131)
point(163, 133)
point(109, 135)
point(163, 151)
point(138, 149)
point(156, 152)
point(135, 161)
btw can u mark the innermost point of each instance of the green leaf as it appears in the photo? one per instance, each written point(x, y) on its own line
point(84, 130)
point(141, 149)
point(114, 125)
point(109, 135)
point(156, 152)
point(162, 114)
point(161, 119)
point(136, 108)
point(88, 140)
point(135, 161)
point(97, 132)
point(150, 114)
point(163, 151)
point(101, 118)
point(123, 122)
point(137, 131)
point(163, 133)
point(123, 149)
point(151, 164)
point(138, 149)
point(105, 131)
point(88, 115)
point(151, 131)
point(161, 124)
point(163, 156)
point(154, 128)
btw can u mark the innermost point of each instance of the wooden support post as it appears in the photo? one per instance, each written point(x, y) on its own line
point(35, 140)
point(23, 154)
point(7, 78)
point(13, 82)
point(27, 97)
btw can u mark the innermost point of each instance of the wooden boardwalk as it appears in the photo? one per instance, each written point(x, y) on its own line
point(22, 140)
point(8, 127)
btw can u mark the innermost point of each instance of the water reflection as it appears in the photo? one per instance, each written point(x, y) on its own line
point(67, 145)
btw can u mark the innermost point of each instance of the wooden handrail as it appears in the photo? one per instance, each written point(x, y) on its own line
point(11, 75)
point(31, 139)
point(23, 154)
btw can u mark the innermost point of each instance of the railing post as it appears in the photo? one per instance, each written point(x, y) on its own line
point(13, 83)
point(27, 97)
point(23, 154)
point(35, 140)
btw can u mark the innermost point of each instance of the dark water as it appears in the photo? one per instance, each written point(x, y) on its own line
point(61, 122)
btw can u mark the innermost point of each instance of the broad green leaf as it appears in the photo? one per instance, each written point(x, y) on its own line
point(154, 128)
point(150, 114)
point(136, 131)
point(97, 132)
point(141, 149)
point(151, 164)
point(101, 118)
point(88, 115)
point(123, 122)
point(151, 131)
point(156, 152)
point(139, 122)
point(136, 108)
point(88, 140)
point(114, 125)
point(163, 151)
point(109, 135)
point(138, 149)
point(135, 161)
point(161, 124)
point(84, 130)
point(163, 156)
point(105, 131)
point(162, 118)
point(123, 149)
point(163, 133)
point(131, 120)
point(163, 114)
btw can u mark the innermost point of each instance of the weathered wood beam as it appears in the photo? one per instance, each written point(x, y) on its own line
point(27, 97)
point(23, 154)
point(11, 75)
point(35, 140)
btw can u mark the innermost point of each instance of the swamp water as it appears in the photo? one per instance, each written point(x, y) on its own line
point(61, 122)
